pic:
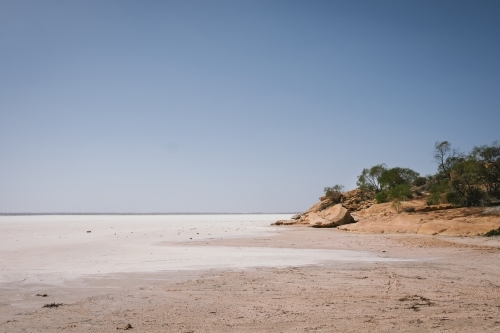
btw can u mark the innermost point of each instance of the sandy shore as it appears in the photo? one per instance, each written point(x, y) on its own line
point(411, 283)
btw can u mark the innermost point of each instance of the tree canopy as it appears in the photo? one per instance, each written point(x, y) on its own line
point(471, 179)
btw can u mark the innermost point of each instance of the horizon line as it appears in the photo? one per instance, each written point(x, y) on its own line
point(153, 213)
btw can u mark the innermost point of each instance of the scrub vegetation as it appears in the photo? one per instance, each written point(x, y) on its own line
point(463, 180)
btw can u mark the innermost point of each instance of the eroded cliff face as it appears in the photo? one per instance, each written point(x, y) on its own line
point(350, 212)
point(421, 219)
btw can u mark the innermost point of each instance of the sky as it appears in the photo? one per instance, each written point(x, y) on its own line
point(233, 106)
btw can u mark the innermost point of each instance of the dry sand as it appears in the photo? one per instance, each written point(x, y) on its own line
point(407, 283)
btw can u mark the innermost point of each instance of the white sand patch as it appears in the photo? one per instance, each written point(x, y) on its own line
point(50, 249)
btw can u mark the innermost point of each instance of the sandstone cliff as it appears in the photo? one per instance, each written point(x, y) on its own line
point(351, 212)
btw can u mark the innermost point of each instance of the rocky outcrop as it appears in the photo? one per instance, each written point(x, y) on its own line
point(331, 211)
point(433, 208)
point(330, 217)
point(356, 200)
point(333, 216)
point(353, 201)
point(341, 210)
point(426, 220)
point(285, 222)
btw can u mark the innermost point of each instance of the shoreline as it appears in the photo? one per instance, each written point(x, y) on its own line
point(139, 214)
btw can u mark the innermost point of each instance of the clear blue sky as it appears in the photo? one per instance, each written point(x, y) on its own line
point(233, 106)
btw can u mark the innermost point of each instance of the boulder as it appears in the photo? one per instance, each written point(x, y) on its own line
point(284, 222)
point(331, 217)
point(316, 219)
point(315, 208)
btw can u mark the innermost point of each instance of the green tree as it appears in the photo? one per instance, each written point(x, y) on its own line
point(466, 180)
point(465, 187)
point(393, 177)
point(369, 179)
point(487, 159)
point(446, 157)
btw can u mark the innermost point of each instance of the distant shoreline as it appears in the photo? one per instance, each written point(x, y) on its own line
point(35, 214)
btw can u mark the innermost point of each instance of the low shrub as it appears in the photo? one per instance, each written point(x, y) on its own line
point(381, 197)
point(437, 193)
point(494, 232)
point(468, 198)
point(401, 192)
point(430, 201)
point(334, 188)
point(397, 205)
point(52, 305)
point(334, 192)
